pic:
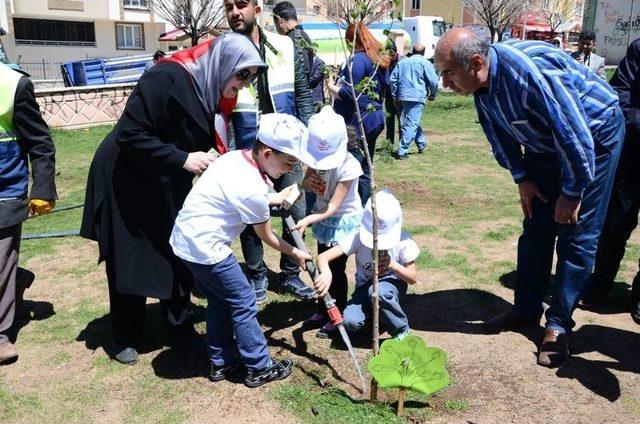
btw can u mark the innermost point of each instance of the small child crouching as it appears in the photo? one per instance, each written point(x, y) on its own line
point(396, 267)
point(231, 194)
point(338, 209)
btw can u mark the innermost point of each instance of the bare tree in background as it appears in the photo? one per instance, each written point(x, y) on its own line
point(351, 11)
point(498, 15)
point(559, 12)
point(195, 17)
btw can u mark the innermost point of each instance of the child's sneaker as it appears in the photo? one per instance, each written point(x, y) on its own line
point(315, 321)
point(260, 288)
point(219, 373)
point(401, 335)
point(327, 331)
point(277, 370)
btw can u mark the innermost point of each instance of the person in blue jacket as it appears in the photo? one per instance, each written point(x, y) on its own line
point(24, 140)
point(412, 81)
point(368, 63)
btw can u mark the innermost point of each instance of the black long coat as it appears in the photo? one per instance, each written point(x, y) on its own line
point(137, 185)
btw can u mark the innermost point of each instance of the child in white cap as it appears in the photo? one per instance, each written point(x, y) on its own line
point(396, 267)
point(333, 175)
point(231, 194)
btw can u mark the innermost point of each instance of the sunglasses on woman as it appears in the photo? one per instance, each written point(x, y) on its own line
point(246, 75)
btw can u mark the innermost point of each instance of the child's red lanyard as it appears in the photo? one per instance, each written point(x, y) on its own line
point(247, 155)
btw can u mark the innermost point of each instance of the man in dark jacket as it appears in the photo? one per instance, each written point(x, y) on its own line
point(622, 215)
point(285, 19)
point(23, 134)
point(290, 96)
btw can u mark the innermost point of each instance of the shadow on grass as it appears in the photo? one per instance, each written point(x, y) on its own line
point(97, 334)
point(616, 302)
point(462, 310)
point(29, 311)
point(281, 315)
point(621, 346)
point(456, 310)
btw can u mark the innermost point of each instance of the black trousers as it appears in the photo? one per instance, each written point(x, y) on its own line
point(392, 114)
point(621, 220)
point(635, 288)
point(127, 313)
point(339, 288)
point(252, 248)
point(364, 182)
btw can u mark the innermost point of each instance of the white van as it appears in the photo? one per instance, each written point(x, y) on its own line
point(425, 30)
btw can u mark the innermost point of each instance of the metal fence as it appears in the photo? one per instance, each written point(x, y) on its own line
point(42, 69)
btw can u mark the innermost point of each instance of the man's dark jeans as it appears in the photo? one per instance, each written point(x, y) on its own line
point(576, 244)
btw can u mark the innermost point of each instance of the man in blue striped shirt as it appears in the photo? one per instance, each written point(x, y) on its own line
point(558, 129)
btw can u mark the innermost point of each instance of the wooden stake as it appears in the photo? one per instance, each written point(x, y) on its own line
point(400, 409)
point(374, 212)
point(373, 396)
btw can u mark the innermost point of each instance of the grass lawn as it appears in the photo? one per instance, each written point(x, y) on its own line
point(458, 204)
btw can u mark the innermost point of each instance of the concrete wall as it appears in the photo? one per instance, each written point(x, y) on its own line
point(82, 107)
point(616, 23)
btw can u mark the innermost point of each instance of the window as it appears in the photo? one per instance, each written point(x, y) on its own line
point(129, 36)
point(316, 10)
point(438, 28)
point(415, 4)
point(51, 32)
point(137, 4)
point(579, 9)
point(545, 4)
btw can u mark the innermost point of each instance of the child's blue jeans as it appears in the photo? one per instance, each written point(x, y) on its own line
point(231, 310)
point(391, 292)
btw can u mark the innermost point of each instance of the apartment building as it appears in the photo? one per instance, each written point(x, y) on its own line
point(64, 30)
point(450, 10)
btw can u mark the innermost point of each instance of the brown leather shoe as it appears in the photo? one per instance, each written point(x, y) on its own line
point(554, 349)
point(8, 352)
point(508, 321)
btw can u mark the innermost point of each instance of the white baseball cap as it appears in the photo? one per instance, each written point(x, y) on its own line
point(283, 132)
point(389, 221)
point(326, 147)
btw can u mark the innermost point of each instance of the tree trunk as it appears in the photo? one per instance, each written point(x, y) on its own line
point(493, 33)
point(400, 408)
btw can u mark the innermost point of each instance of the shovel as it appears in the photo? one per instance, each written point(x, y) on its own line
point(335, 317)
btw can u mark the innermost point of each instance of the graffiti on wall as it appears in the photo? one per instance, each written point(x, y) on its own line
point(617, 23)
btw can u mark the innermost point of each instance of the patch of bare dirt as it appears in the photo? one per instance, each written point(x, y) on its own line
point(495, 374)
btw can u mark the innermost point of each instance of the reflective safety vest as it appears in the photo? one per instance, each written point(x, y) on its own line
point(280, 56)
point(14, 173)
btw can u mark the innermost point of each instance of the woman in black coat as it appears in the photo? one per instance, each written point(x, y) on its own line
point(143, 171)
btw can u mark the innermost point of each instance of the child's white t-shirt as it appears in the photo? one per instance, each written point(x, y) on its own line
point(404, 252)
point(229, 195)
point(349, 170)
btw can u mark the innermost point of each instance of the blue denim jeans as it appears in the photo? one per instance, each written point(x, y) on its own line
point(391, 292)
point(576, 244)
point(410, 129)
point(231, 310)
